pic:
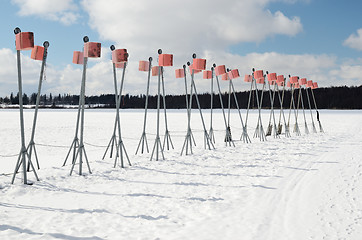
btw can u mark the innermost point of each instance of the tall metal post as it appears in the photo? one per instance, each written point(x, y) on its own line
point(229, 138)
point(305, 120)
point(315, 106)
point(80, 121)
point(245, 129)
point(158, 146)
point(31, 145)
point(281, 101)
point(189, 136)
point(211, 131)
point(207, 140)
point(259, 131)
point(227, 130)
point(143, 139)
point(244, 134)
point(23, 155)
point(270, 127)
point(310, 109)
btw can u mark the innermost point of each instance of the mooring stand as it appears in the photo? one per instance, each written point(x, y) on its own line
point(228, 138)
point(189, 138)
point(31, 145)
point(23, 155)
point(167, 138)
point(143, 139)
point(302, 102)
point(292, 105)
point(78, 144)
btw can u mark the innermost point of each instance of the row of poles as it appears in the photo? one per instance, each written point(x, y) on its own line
point(77, 153)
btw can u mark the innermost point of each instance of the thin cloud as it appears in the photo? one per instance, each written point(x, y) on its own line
point(354, 40)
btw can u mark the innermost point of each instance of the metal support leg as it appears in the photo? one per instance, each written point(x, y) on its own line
point(167, 138)
point(270, 126)
point(315, 106)
point(310, 109)
point(259, 131)
point(281, 100)
point(211, 131)
point(305, 120)
point(245, 129)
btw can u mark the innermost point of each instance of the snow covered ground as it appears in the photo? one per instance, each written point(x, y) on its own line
point(306, 187)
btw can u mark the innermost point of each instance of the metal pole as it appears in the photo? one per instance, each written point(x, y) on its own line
point(281, 100)
point(272, 113)
point(167, 137)
point(259, 131)
point(310, 109)
point(229, 106)
point(211, 131)
point(305, 120)
point(227, 133)
point(247, 111)
point(31, 144)
point(244, 135)
point(157, 146)
point(315, 105)
point(143, 137)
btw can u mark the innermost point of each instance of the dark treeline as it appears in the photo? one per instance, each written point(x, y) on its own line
point(326, 98)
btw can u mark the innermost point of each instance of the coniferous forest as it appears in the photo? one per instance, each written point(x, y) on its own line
point(326, 98)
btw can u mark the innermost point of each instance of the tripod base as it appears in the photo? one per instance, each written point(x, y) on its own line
point(156, 148)
point(142, 141)
point(296, 129)
point(167, 140)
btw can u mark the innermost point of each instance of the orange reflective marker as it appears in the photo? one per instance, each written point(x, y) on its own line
point(315, 85)
point(289, 84)
point(207, 74)
point(24, 41)
point(280, 78)
point(120, 65)
point(260, 80)
point(191, 67)
point(199, 64)
point(272, 77)
point(143, 66)
point(294, 79)
point(37, 53)
point(92, 50)
point(119, 55)
point(78, 57)
point(220, 70)
point(234, 74)
point(258, 74)
point(302, 81)
point(296, 85)
point(248, 78)
point(155, 70)
point(310, 83)
point(165, 60)
point(180, 73)
point(225, 77)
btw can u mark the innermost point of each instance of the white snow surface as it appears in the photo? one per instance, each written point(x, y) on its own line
point(303, 187)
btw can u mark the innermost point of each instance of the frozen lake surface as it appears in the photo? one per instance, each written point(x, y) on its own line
point(303, 187)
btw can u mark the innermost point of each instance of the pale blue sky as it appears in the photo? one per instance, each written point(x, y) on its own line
point(308, 38)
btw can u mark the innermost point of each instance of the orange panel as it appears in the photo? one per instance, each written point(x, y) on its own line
point(234, 74)
point(220, 70)
point(144, 66)
point(315, 85)
point(296, 85)
point(191, 67)
point(258, 74)
point(280, 83)
point(92, 50)
point(272, 76)
point(310, 83)
point(303, 81)
point(294, 79)
point(248, 78)
point(119, 55)
point(289, 84)
point(155, 70)
point(225, 77)
point(260, 80)
point(280, 78)
point(120, 65)
point(37, 53)
point(78, 57)
point(180, 73)
point(207, 74)
point(165, 60)
point(24, 41)
point(199, 64)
